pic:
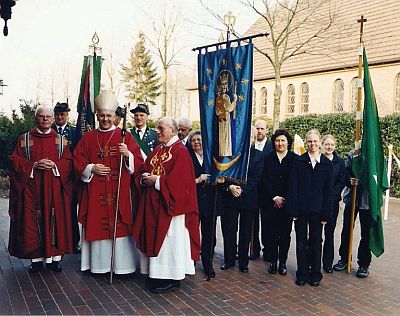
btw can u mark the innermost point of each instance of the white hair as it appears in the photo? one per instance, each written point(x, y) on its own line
point(44, 107)
point(185, 122)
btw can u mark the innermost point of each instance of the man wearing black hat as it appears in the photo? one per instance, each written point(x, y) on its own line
point(119, 115)
point(62, 127)
point(145, 137)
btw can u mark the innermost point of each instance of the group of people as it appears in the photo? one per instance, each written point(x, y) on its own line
point(142, 198)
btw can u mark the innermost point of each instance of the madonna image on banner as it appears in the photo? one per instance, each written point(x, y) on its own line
point(225, 78)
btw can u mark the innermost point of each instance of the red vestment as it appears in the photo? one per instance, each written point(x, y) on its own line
point(98, 201)
point(40, 207)
point(177, 196)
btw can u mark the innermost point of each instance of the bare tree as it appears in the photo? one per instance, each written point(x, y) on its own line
point(164, 42)
point(112, 74)
point(295, 27)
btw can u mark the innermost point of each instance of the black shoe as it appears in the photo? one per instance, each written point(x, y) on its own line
point(340, 266)
point(254, 256)
point(328, 269)
point(226, 266)
point(300, 282)
point(282, 269)
point(362, 272)
point(210, 273)
point(166, 286)
point(272, 268)
point(55, 266)
point(244, 269)
point(314, 283)
point(35, 267)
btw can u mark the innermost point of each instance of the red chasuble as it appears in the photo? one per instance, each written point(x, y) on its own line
point(40, 207)
point(98, 201)
point(177, 196)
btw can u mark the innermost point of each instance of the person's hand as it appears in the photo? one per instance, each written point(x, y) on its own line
point(123, 149)
point(148, 179)
point(353, 181)
point(100, 169)
point(44, 164)
point(202, 178)
point(279, 202)
point(235, 190)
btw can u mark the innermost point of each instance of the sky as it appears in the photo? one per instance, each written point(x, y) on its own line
point(48, 39)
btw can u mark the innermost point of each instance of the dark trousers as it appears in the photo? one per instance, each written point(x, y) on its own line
point(255, 246)
point(364, 254)
point(229, 224)
point(208, 240)
point(278, 227)
point(74, 222)
point(308, 247)
point(328, 253)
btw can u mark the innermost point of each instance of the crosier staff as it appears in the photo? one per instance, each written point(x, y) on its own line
point(123, 134)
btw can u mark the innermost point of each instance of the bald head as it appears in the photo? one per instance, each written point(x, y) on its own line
point(261, 127)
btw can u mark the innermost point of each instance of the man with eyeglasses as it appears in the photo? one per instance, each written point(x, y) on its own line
point(166, 226)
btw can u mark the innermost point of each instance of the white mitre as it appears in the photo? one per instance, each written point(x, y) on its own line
point(106, 100)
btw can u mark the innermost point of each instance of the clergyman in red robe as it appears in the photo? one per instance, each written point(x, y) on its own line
point(97, 163)
point(40, 195)
point(166, 225)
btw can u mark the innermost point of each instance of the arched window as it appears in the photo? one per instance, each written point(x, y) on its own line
point(397, 93)
point(254, 107)
point(304, 97)
point(338, 95)
point(290, 100)
point(263, 101)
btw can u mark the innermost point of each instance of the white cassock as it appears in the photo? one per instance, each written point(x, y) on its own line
point(96, 255)
point(174, 260)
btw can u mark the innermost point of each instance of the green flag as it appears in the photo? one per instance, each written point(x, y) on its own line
point(370, 166)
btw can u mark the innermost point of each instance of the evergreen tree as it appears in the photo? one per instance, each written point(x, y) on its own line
point(140, 76)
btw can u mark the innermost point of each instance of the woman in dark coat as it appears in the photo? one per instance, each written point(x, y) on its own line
point(310, 204)
point(275, 187)
point(329, 145)
point(241, 200)
point(206, 200)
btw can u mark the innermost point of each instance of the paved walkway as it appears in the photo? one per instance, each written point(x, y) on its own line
point(230, 293)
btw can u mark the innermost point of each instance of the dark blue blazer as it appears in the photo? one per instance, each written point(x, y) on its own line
point(149, 137)
point(339, 176)
point(275, 179)
point(249, 198)
point(206, 192)
point(310, 190)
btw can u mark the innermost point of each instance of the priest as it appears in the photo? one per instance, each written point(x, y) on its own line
point(40, 195)
point(166, 225)
point(97, 162)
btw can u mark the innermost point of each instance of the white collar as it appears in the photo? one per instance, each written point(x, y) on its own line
point(317, 159)
point(143, 129)
point(62, 127)
point(172, 140)
point(107, 130)
point(40, 132)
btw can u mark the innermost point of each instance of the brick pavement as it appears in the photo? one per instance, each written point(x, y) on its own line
point(230, 293)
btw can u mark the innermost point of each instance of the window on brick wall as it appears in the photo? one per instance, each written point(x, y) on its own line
point(338, 95)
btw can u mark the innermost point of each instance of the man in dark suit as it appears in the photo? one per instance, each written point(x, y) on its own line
point(62, 127)
point(145, 137)
point(265, 146)
point(185, 127)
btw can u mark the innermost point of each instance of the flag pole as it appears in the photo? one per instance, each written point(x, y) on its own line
point(123, 134)
point(357, 140)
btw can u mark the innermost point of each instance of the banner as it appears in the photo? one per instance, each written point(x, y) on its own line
point(225, 83)
point(369, 166)
point(89, 89)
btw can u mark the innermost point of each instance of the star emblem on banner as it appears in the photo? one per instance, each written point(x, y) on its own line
point(238, 66)
point(209, 71)
point(241, 97)
point(211, 102)
point(204, 88)
point(245, 82)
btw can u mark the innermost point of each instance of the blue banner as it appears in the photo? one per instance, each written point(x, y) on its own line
point(225, 83)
